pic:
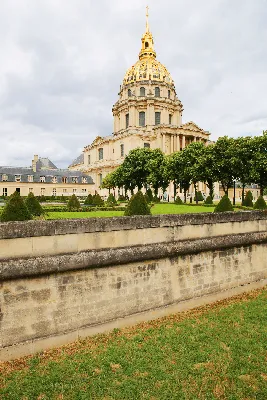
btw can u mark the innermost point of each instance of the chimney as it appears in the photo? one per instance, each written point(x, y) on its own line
point(34, 162)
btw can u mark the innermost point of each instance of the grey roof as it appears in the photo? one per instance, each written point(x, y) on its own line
point(78, 160)
point(45, 163)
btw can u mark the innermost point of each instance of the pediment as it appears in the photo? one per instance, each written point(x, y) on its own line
point(97, 140)
point(191, 126)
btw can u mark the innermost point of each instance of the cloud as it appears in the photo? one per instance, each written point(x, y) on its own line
point(62, 64)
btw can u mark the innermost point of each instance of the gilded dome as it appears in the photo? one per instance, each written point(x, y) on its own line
point(147, 67)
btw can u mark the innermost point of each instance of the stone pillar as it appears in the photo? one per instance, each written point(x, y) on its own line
point(172, 144)
point(195, 138)
point(183, 143)
point(132, 116)
point(163, 142)
point(178, 143)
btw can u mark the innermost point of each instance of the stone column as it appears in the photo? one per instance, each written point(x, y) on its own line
point(163, 142)
point(132, 116)
point(178, 142)
point(195, 138)
point(183, 143)
point(172, 144)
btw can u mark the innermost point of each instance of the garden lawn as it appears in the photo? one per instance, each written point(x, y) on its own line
point(156, 209)
point(214, 352)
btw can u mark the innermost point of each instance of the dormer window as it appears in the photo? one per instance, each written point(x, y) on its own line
point(30, 178)
point(74, 179)
point(17, 178)
point(54, 179)
point(42, 178)
point(84, 180)
point(64, 179)
point(4, 178)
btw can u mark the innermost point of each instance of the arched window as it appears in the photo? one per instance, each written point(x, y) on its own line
point(169, 94)
point(157, 92)
point(127, 120)
point(147, 145)
point(129, 92)
point(146, 45)
point(142, 91)
point(142, 118)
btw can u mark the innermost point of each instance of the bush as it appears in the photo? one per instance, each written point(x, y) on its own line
point(137, 205)
point(121, 198)
point(15, 209)
point(73, 203)
point(260, 204)
point(178, 201)
point(111, 201)
point(89, 200)
point(199, 196)
point(208, 200)
point(42, 198)
point(33, 205)
point(149, 195)
point(156, 199)
point(224, 205)
point(248, 200)
point(97, 200)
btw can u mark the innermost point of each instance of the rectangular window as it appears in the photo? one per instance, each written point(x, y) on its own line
point(17, 178)
point(89, 159)
point(127, 120)
point(30, 178)
point(142, 118)
point(64, 190)
point(100, 154)
point(74, 179)
point(54, 192)
point(157, 118)
point(83, 190)
point(4, 191)
point(74, 190)
point(42, 178)
point(84, 180)
point(42, 191)
point(100, 179)
point(122, 150)
point(169, 94)
point(147, 145)
point(170, 119)
point(64, 179)
point(4, 178)
point(30, 190)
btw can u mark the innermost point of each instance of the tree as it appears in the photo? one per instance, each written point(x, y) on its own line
point(97, 200)
point(244, 150)
point(207, 163)
point(224, 205)
point(260, 204)
point(33, 205)
point(174, 172)
point(137, 205)
point(248, 201)
point(111, 201)
point(73, 203)
point(156, 167)
point(135, 168)
point(89, 200)
point(259, 161)
point(15, 209)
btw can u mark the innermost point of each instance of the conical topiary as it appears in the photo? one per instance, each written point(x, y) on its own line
point(15, 209)
point(260, 204)
point(111, 201)
point(248, 200)
point(73, 203)
point(208, 200)
point(89, 200)
point(224, 205)
point(178, 201)
point(137, 205)
point(97, 200)
point(33, 205)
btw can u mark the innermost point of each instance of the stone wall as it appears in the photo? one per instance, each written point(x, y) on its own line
point(60, 277)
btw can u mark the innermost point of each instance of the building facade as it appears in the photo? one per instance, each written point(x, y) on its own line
point(148, 113)
point(43, 178)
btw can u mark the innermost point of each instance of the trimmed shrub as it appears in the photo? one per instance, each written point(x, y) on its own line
point(224, 205)
point(248, 200)
point(111, 201)
point(41, 198)
point(97, 200)
point(33, 205)
point(137, 205)
point(89, 200)
point(178, 201)
point(122, 198)
point(260, 204)
point(73, 203)
point(149, 195)
point(199, 196)
point(156, 199)
point(15, 209)
point(208, 200)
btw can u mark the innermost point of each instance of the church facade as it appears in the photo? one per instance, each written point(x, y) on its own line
point(148, 113)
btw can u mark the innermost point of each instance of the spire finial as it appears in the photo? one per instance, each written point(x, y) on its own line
point(147, 15)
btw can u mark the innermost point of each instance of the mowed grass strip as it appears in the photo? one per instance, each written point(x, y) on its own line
point(156, 209)
point(214, 352)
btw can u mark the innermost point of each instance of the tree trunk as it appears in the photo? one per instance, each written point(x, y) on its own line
point(195, 187)
point(261, 190)
point(243, 192)
point(174, 191)
point(210, 186)
point(184, 195)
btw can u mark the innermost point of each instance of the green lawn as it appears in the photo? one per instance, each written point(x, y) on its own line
point(215, 352)
point(157, 209)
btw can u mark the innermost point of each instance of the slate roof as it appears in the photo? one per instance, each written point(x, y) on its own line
point(45, 163)
point(78, 160)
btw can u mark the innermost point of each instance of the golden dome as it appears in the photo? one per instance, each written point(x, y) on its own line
point(147, 67)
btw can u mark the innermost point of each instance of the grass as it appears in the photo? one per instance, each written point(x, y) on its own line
point(157, 209)
point(214, 352)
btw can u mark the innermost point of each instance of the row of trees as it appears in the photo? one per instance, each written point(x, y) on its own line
point(243, 159)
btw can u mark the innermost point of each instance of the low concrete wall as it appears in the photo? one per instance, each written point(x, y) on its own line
point(61, 277)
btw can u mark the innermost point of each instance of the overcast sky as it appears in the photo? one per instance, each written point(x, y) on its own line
point(62, 61)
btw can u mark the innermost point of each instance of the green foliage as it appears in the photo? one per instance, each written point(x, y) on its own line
point(111, 201)
point(208, 200)
point(15, 209)
point(33, 205)
point(178, 200)
point(149, 195)
point(156, 199)
point(42, 198)
point(73, 203)
point(224, 205)
point(137, 205)
point(121, 198)
point(260, 204)
point(248, 201)
point(199, 196)
point(97, 200)
point(89, 200)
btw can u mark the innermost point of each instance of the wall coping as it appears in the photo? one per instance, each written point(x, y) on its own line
point(23, 229)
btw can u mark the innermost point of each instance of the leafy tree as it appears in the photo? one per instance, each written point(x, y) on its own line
point(244, 150)
point(111, 201)
point(175, 172)
point(89, 200)
point(260, 204)
point(224, 205)
point(259, 161)
point(207, 171)
point(137, 205)
point(73, 203)
point(97, 200)
point(248, 201)
point(156, 166)
point(149, 195)
point(15, 209)
point(33, 205)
